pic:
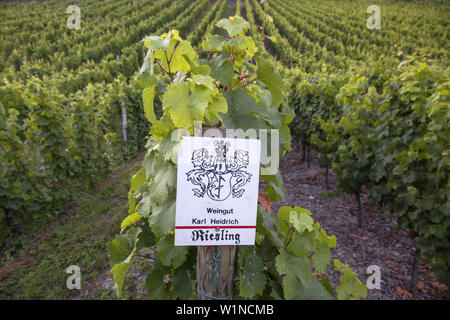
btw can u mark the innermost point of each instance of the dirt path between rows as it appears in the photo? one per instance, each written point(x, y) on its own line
point(377, 243)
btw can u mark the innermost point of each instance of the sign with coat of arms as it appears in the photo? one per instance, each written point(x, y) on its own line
point(217, 191)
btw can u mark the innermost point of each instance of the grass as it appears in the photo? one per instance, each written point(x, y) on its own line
point(77, 237)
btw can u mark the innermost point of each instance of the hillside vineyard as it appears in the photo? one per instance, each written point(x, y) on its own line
point(371, 102)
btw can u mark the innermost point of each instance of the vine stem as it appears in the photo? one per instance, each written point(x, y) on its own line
point(249, 82)
point(232, 57)
point(173, 52)
point(245, 84)
point(289, 236)
point(146, 256)
point(168, 64)
point(159, 64)
point(235, 84)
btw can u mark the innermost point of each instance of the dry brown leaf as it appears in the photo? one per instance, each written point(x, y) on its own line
point(404, 293)
point(363, 236)
point(263, 199)
point(422, 286)
point(395, 268)
point(314, 175)
point(401, 277)
point(391, 265)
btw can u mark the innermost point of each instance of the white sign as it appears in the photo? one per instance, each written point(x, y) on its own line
point(217, 191)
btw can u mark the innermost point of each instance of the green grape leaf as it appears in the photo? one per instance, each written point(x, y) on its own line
point(271, 79)
point(267, 251)
point(300, 245)
point(169, 149)
point(214, 42)
point(274, 186)
point(222, 69)
point(130, 220)
point(243, 252)
point(118, 249)
point(284, 214)
point(162, 219)
point(205, 80)
point(146, 77)
point(291, 286)
point(301, 219)
point(173, 58)
point(244, 112)
point(152, 163)
point(249, 47)
point(183, 284)
point(148, 96)
point(252, 280)
point(266, 225)
point(321, 258)
point(119, 270)
point(219, 104)
point(145, 205)
point(131, 202)
point(242, 49)
point(274, 191)
point(137, 180)
point(157, 288)
point(314, 291)
point(185, 106)
point(197, 67)
point(350, 286)
point(176, 94)
point(169, 254)
point(327, 285)
point(162, 128)
point(147, 238)
point(201, 96)
point(235, 26)
point(329, 240)
point(287, 264)
point(179, 62)
point(163, 183)
point(276, 290)
point(156, 43)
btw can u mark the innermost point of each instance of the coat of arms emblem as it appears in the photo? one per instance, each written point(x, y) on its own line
point(219, 176)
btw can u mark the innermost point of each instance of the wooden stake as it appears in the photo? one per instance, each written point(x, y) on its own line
point(221, 286)
point(215, 275)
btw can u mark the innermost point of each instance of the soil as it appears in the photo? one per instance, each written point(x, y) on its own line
point(378, 242)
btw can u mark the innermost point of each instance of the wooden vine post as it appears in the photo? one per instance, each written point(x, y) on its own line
point(215, 261)
point(208, 267)
point(217, 175)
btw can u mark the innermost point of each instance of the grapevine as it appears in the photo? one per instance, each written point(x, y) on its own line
point(291, 248)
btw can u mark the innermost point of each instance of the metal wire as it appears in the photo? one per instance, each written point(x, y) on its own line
point(216, 259)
